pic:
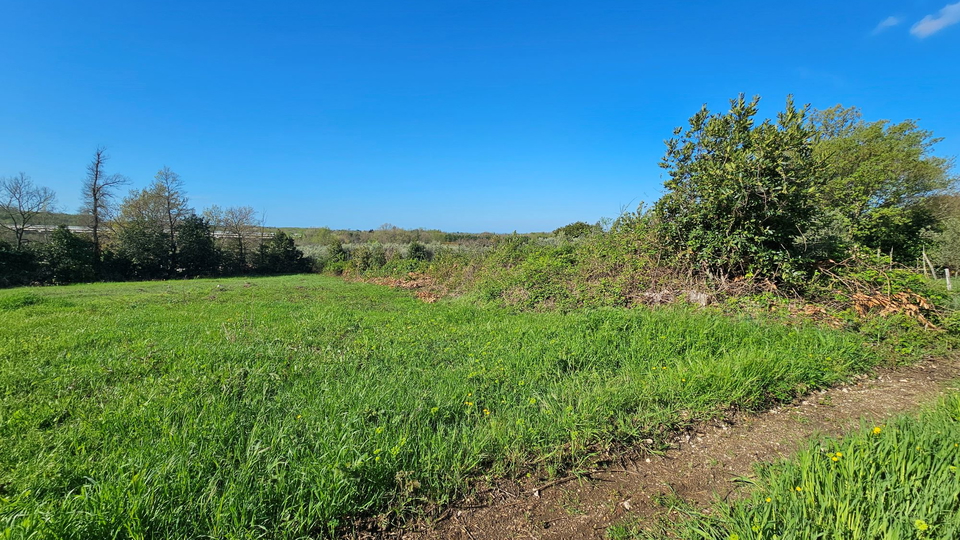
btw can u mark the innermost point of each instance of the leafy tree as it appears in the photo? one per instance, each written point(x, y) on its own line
point(336, 252)
point(20, 204)
point(878, 179)
point(147, 224)
point(418, 252)
point(98, 194)
point(67, 257)
point(739, 193)
point(145, 245)
point(279, 255)
point(17, 266)
point(198, 254)
point(575, 229)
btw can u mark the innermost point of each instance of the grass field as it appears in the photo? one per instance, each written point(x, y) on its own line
point(281, 407)
point(899, 480)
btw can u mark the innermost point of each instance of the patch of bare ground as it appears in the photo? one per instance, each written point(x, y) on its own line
point(701, 464)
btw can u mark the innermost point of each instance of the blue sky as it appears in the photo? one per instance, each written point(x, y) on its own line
point(476, 116)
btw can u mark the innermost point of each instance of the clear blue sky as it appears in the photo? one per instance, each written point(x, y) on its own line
point(482, 115)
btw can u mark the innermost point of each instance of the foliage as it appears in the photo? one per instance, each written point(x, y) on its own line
point(197, 251)
point(575, 230)
point(368, 257)
point(739, 194)
point(17, 267)
point(145, 244)
point(279, 407)
point(67, 257)
point(878, 177)
point(418, 252)
point(240, 234)
point(898, 480)
point(279, 255)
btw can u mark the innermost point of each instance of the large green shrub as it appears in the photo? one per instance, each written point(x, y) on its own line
point(739, 194)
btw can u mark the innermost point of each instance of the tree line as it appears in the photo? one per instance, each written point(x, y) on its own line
point(151, 233)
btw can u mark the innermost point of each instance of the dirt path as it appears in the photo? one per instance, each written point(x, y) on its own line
point(698, 465)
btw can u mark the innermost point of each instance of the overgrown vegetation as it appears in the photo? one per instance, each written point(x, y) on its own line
point(818, 214)
point(282, 407)
point(895, 480)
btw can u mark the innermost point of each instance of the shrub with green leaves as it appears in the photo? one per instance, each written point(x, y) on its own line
point(739, 193)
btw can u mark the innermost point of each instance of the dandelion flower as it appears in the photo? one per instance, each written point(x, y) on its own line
point(877, 430)
point(921, 525)
point(769, 499)
point(839, 454)
point(798, 488)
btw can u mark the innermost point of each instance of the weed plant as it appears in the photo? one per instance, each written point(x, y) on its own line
point(282, 407)
point(899, 480)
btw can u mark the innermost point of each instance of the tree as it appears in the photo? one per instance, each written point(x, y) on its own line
point(739, 194)
point(169, 188)
point(878, 179)
point(575, 230)
point(21, 202)
point(17, 266)
point(67, 257)
point(279, 255)
point(97, 195)
point(238, 226)
point(148, 221)
point(198, 255)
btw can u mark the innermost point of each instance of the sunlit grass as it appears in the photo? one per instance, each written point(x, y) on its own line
point(279, 407)
point(890, 481)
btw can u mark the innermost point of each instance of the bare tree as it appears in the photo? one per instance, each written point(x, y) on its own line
point(237, 225)
point(21, 202)
point(98, 193)
point(169, 187)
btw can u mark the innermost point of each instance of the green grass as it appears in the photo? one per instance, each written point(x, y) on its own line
point(281, 407)
point(895, 481)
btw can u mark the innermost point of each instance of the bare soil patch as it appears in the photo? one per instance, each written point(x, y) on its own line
point(700, 465)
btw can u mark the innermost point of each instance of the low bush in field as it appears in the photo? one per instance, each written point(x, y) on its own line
point(281, 407)
point(895, 480)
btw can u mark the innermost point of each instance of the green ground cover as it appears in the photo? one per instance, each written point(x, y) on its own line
point(891, 481)
point(280, 407)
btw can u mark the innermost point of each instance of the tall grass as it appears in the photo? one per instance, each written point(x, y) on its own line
point(279, 407)
point(895, 481)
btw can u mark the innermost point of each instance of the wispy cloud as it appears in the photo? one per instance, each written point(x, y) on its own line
point(886, 23)
point(929, 25)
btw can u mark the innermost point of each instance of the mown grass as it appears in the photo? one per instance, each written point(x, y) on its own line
point(280, 407)
point(895, 481)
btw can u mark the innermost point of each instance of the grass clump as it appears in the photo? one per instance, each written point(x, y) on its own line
point(898, 480)
point(283, 407)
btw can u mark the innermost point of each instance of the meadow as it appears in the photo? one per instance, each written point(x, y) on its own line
point(285, 407)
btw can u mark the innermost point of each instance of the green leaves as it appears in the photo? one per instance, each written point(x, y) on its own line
point(738, 191)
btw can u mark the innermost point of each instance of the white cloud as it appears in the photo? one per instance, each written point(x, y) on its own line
point(929, 25)
point(886, 23)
